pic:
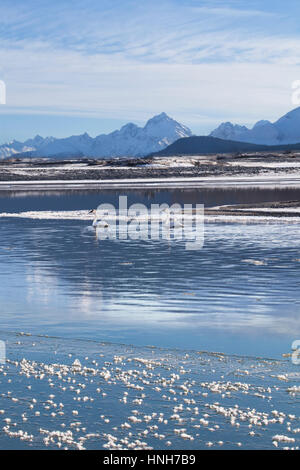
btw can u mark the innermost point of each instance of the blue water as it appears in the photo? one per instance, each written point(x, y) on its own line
point(56, 278)
point(217, 401)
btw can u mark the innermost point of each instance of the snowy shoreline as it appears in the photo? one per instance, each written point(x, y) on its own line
point(154, 172)
point(220, 214)
point(177, 182)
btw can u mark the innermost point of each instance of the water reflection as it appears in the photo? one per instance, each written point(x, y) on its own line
point(58, 278)
point(12, 201)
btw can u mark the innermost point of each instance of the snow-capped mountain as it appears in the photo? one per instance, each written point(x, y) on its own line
point(158, 133)
point(284, 131)
point(130, 140)
point(30, 145)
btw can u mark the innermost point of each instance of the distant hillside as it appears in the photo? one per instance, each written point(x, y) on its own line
point(197, 145)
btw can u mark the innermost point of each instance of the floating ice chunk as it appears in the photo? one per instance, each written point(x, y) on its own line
point(255, 262)
point(282, 438)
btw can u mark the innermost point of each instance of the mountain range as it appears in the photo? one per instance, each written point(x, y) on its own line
point(130, 140)
point(285, 130)
point(163, 135)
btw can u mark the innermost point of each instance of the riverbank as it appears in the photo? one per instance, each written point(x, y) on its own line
point(155, 183)
point(193, 170)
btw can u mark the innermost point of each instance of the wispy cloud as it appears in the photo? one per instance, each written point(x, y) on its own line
point(166, 30)
point(128, 58)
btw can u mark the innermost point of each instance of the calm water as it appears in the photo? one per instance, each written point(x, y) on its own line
point(56, 278)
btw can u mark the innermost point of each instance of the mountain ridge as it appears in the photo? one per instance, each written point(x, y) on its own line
point(158, 134)
point(286, 130)
point(131, 140)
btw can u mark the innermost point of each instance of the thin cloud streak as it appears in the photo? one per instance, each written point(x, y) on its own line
point(195, 60)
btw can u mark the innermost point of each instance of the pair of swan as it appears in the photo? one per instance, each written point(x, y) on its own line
point(168, 219)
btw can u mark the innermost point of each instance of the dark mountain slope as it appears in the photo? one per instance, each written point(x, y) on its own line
point(197, 145)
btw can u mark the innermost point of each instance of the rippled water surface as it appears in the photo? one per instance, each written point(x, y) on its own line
point(69, 394)
point(56, 278)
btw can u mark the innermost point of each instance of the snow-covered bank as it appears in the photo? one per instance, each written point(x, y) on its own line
point(256, 216)
point(154, 172)
point(177, 182)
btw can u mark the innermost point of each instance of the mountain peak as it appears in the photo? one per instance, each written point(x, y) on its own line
point(165, 129)
point(129, 125)
point(158, 118)
point(262, 122)
point(162, 115)
point(228, 131)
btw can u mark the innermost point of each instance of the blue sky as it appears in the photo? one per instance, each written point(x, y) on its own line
point(73, 66)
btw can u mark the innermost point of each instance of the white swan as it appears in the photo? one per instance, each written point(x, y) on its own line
point(96, 222)
point(170, 219)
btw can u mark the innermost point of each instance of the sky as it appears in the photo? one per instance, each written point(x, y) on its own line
point(72, 67)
